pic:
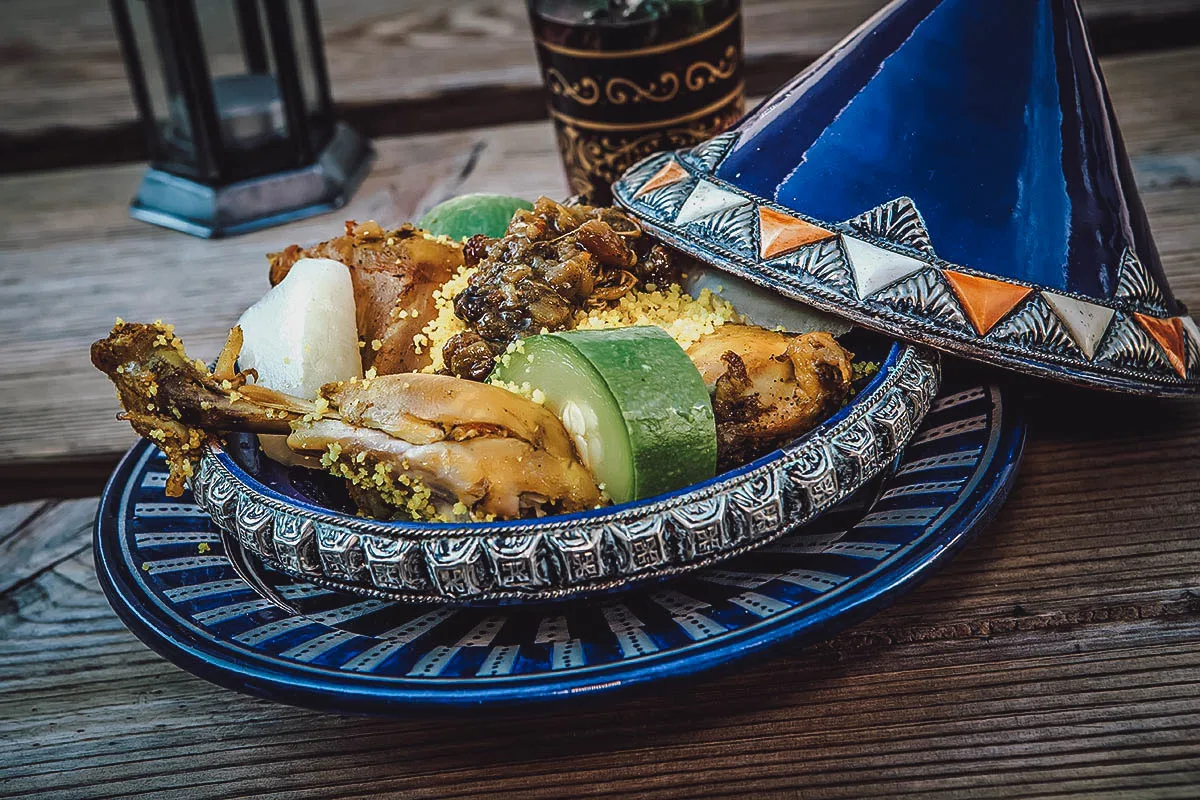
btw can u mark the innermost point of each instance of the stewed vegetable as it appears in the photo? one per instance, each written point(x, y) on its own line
point(632, 400)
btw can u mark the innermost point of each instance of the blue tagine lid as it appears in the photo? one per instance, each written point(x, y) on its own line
point(951, 173)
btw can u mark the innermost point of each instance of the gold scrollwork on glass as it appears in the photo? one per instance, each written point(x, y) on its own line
point(586, 92)
point(702, 72)
point(594, 159)
point(620, 91)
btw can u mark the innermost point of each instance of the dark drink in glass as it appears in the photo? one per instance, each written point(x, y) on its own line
point(627, 78)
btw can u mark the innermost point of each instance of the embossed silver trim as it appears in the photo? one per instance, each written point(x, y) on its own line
point(559, 557)
point(921, 307)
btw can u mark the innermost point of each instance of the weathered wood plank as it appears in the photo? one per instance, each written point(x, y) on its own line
point(1056, 656)
point(1088, 701)
point(14, 517)
point(53, 534)
point(405, 67)
point(68, 250)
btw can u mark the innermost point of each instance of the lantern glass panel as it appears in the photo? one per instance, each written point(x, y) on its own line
point(171, 145)
point(234, 97)
point(306, 33)
point(255, 135)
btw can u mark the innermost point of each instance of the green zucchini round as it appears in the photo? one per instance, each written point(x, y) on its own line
point(633, 401)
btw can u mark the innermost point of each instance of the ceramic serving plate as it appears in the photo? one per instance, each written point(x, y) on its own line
point(287, 519)
point(252, 628)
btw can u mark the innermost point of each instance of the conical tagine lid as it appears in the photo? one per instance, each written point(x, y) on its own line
point(951, 173)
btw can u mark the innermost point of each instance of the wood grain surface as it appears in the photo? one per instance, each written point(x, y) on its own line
point(1057, 656)
point(407, 66)
point(69, 252)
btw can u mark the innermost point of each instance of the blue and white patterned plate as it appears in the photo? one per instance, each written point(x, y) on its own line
point(163, 566)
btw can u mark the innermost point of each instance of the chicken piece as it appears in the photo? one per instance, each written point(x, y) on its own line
point(174, 401)
point(408, 444)
point(394, 274)
point(768, 387)
point(493, 451)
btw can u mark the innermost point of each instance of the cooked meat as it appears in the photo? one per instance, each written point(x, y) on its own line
point(768, 387)
point(394, 274)
point(553, 261)
point(464, 442)
point(174, 401)
point(411, 444)
point(468, 355)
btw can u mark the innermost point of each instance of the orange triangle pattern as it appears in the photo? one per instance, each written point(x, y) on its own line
point(670, 173)
point(780, 233)
point(986, 300)
point(1169, 335)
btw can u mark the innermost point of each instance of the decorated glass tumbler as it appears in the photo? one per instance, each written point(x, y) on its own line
point(627, 78)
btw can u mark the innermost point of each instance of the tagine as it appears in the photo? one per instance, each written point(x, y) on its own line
point(555, 367)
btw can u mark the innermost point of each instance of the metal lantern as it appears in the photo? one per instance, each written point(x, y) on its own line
point(237, 111)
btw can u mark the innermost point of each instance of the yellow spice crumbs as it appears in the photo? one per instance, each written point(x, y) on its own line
point(320, 409)
point(331, 455)
point(444, 324)
point(440, 238)
point(405, 493)
point(524, 389)
point(684, 317)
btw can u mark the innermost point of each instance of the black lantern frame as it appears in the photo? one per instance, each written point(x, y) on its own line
point(242, 151)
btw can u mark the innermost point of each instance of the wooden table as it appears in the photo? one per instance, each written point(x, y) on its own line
point(1058, 655)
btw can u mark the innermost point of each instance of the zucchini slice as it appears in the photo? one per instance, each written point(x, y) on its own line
point(632, 400)
point(464, 216)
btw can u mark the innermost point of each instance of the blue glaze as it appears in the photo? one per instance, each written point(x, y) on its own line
point(162, 565)
point(992, 116)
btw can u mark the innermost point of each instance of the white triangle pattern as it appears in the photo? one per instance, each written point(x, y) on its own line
point(822, 262)
point(735, 227)
point(1036, 325)
point(927, 295)
point(643, 171)
point(875, 268)
point(859, 270)
point(1136, 284)
point(1192, 335)
point(667, 200)
point(708, 199)
point(897, 221)
point(707, 155)
point(1128, 345)
point(1086, 322)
